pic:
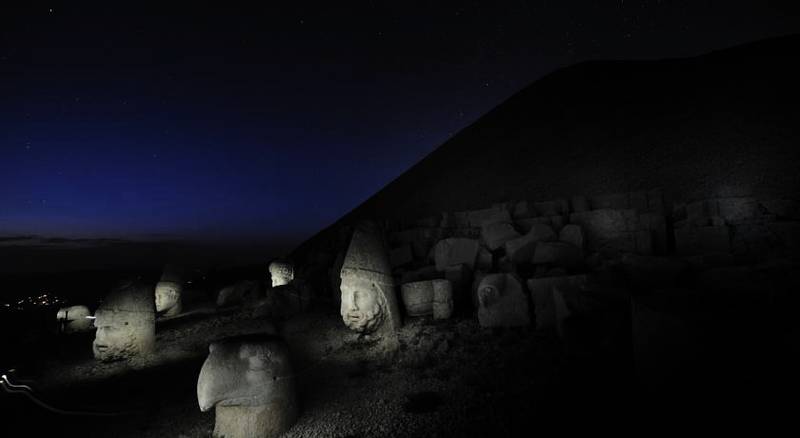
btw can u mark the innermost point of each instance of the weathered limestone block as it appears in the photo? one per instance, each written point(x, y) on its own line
point(420, 239)
point(239, 293)
point(281, 273)
point(250, 383)
point(126, 323)
point(502, 302)
point(691, 240)
point(421, 274)
point(573, 234)
point(418, 298)
point(497, 234)
point(542, 296)
point(613, 230)
point(442, 299)
point(479, 218)
point(369, 303)
point(522, 249)
point(455, 251)
point(561, 254)
point(401, 256)
point(74, 319)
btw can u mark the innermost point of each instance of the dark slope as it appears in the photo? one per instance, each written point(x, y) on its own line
point(722, 124)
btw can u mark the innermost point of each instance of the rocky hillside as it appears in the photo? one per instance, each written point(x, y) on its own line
point(717, 125)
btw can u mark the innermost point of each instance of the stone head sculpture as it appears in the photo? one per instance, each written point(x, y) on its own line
point(74, 319)
point(245, 371)
point(168, 292)
point(369, 303)
point(125, 323)
point(282, 273)
point(249, 382)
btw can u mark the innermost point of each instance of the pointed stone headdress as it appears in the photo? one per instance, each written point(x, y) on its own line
point(367, 256)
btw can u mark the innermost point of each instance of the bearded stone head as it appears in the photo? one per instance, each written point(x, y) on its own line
point(125, 323)
point(363, 305)
point(369, 303)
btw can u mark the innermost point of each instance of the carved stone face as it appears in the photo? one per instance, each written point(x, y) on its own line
point(281, 273)
point(168, 297)
point(121, 335)
point(362, 308)
point(125, 323)
point(244, 373)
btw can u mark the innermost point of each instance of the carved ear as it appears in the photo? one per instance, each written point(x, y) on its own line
point(212, 347)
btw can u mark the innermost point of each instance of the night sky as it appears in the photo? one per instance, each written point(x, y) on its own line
point(271, 123)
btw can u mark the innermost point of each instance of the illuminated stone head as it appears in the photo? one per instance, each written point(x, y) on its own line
point(168, 292)
point(249, 370)
point(281, 273)
point(74, 319)
point(125, 323)
point(368, 297)
point(168, 298)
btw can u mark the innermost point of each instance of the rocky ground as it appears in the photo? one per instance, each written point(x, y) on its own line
point(448, 378)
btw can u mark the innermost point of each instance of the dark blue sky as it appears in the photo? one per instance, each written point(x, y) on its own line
point(271, 123)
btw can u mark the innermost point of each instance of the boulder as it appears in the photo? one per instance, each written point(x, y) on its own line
point(497, 234)
point(572, 233)
point(522, 249)
point(418, 297)
point(421, 274)
point(442, 299)
point(502, 302)
point(455, 251)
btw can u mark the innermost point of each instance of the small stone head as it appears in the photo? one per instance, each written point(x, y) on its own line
point(125, 323)
point(281, 273)
point(168, 297)
point(251, 370)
